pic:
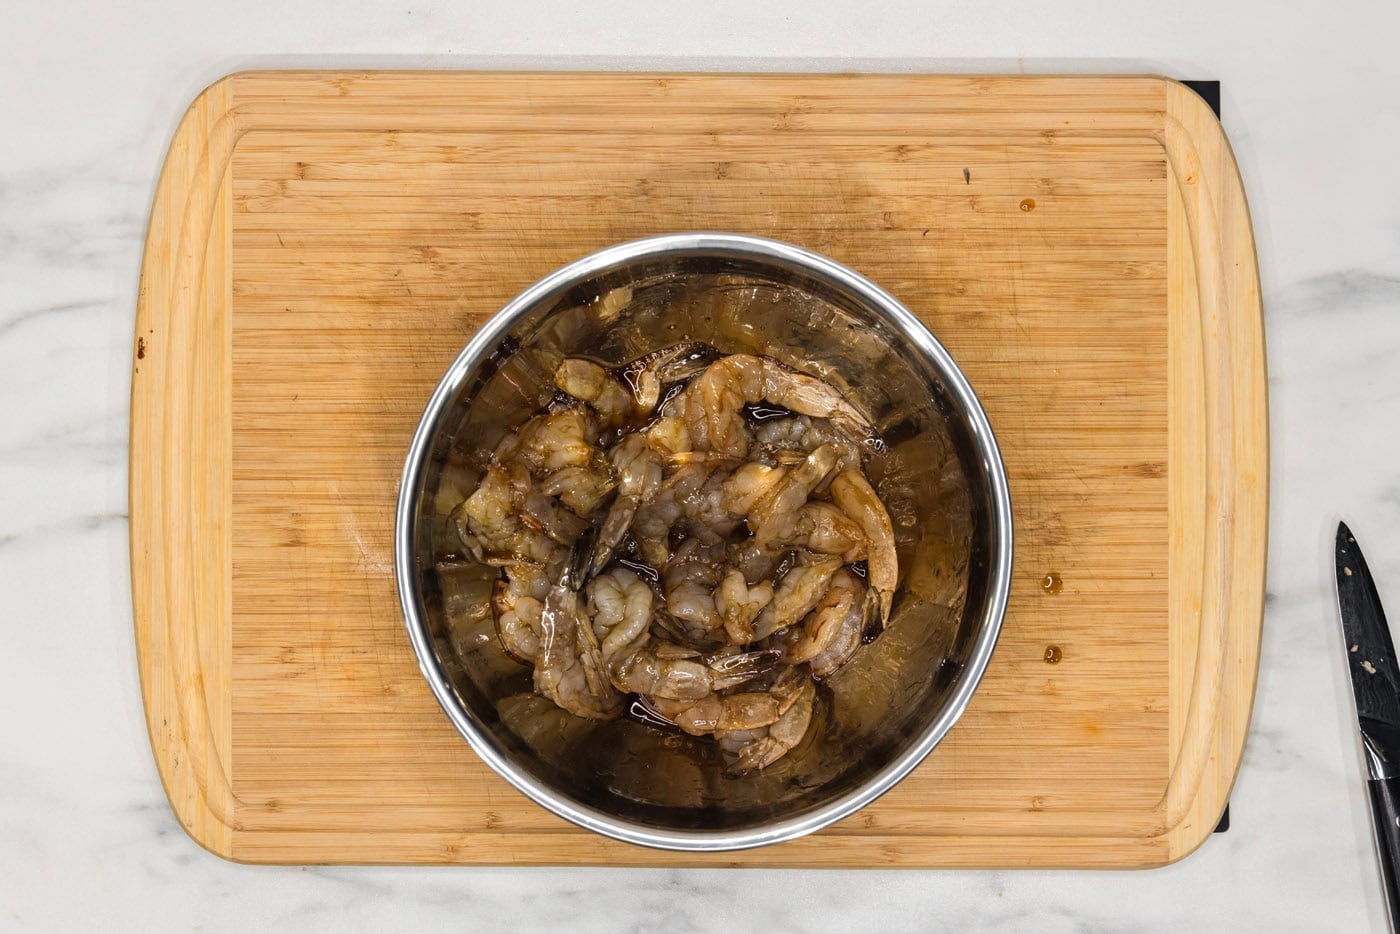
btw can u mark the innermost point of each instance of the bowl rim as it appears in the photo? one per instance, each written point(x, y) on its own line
point(831, 273)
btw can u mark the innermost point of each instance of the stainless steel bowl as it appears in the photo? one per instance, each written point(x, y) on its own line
point(943, 481)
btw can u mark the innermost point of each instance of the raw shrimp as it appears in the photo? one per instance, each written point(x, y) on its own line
point(706, 513)
point(817, 527)
point(634, 390)
point(669, 436)
point(551, 442)
point(569, 667)
point(492, 519)
point(690, 580)
point(847, 639)
point(596, 385)
point(518, 602)
point(857, 498)
point(761, 747)
point(733, 592)
point(661, 669)
point(580, 488)
point(825, 529)
point(639, 473)
point(738, 604)
point(649, 374)
point(747, 710)
point(653, 522)
point(620, 605)
point(786, 439)
point(748, 485)
point(773, 516)
point(713, 403)
point(800, 590)
point(542, 513)
point(831, 632)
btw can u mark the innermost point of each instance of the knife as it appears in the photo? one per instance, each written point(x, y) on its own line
point(1375, 683)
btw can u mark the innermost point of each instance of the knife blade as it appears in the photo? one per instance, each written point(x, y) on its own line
point(1375, 684)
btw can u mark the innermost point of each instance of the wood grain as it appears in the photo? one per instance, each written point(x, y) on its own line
point(322, 244)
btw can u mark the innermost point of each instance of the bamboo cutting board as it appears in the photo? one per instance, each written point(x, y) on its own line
point(323, 244)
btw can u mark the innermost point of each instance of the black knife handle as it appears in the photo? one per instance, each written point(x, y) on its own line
point(1385, 814)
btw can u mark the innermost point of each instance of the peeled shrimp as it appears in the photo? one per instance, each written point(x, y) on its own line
point(786, 439)
point(551, 442)
point(492, 519)
point(742, 528)
point(517, 602)
point(580, 488)
point(846, 640)
point(761, 747)
point(713, 403)
point(857, 498)
point(669, 436)
point(639, 474)
point(800, 590)
point(569, 667)
point(773, 516)
point(831, 632)
point(664, 670)
point(690, 580)
point(726, 713)
point(620, 605)
point(706, 512)
point(748, 485)
point(739, 604)
point(817, 527)
point(596, 385)
point(824, 529)
point(653, 522)
point(635, 390)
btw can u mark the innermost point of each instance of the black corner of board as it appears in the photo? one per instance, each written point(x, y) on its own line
point(1209, 92)
point(1224, 824)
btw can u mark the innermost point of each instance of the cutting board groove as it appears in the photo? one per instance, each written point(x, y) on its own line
point(323, 243)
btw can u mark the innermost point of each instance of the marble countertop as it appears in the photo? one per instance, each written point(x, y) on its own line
point(92, 94)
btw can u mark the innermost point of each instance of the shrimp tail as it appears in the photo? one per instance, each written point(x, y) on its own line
point(594, 673)
point(736, 669)
point(619, 519)
point(876, 615)
point(574, 573)
point(647, 375)
point(758, 754)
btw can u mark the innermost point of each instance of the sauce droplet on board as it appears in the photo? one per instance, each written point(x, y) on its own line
point(1053, 654)
point(1051, 583)
point(1028, 204)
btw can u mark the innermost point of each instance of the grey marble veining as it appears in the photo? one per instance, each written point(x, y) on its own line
point(91, 95)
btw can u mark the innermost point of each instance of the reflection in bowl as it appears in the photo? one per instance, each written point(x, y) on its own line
point(941, 480)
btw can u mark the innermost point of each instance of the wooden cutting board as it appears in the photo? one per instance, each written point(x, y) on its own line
point(323, 244)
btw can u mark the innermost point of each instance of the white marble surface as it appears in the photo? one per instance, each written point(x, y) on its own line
point(91, 93)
